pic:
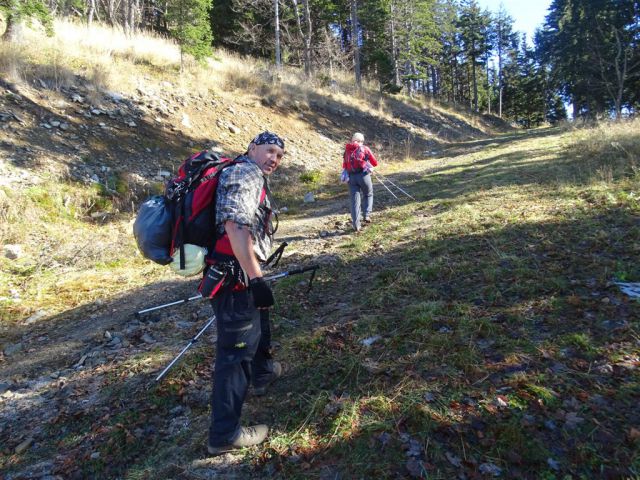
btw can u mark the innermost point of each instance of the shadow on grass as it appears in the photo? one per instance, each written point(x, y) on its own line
point(509, 357)
point(502, 348)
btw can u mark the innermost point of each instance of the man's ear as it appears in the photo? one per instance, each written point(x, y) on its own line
point(250, 149)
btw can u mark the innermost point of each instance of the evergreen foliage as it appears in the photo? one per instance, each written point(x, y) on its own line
point(587, 53)
point(189, 24)
point(16, 12)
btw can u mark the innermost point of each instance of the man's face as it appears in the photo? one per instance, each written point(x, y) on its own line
point(267, 157)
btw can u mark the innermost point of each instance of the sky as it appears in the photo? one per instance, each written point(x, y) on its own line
point(527, 14)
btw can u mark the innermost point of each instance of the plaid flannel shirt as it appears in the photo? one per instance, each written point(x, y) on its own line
point(238, 199)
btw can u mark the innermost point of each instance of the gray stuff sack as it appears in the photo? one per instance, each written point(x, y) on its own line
point(152, 229)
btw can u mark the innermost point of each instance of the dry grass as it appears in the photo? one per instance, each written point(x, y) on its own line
point(104, 55)
point(608, 150)
point(58, 270)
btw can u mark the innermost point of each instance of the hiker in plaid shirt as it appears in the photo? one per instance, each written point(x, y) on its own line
point(243, 215)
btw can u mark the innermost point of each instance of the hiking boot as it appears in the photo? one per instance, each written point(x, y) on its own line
point(246, 437)
point(367, 219)
point(260, 390)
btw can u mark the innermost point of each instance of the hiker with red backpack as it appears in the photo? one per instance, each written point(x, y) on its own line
point(243, 217)
point(357, 164)
point(217, 215)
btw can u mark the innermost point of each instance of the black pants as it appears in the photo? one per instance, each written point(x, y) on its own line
point(242, 356)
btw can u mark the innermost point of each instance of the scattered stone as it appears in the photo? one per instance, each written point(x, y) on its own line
point(64, 126)
point(146, 338)
point(35, 317)
point(185, 120)
point(80, 362)
point(12, 349)
point(116, 97)
point(131, 124)
point(54, 123)
point(95, 455)
point(309, 198)
point(233, 129)
point(12, 251)
point(23, 446)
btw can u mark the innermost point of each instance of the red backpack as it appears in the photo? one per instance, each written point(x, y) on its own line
point(357, 160)
point(185, 213)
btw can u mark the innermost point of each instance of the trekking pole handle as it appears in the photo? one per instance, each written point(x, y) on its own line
point(296, 271)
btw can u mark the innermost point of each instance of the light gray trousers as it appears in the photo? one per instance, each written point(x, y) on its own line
point(361, 194)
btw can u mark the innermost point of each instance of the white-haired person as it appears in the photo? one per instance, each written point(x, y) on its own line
point(358, 162)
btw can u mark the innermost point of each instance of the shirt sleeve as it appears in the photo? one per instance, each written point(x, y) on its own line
point(369, 155)
point(239, 195)
point(344, 160)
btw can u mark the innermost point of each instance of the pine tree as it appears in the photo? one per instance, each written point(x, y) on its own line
point(504, 38)
point(189, 25)
point(474, 25)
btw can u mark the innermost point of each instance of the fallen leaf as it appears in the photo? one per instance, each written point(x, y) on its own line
point(490, 469)
point(453, 459)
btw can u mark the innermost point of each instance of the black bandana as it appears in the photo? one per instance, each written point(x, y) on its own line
point(268, 138)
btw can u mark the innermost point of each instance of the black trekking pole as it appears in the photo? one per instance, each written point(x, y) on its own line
point(277, 276)
point(295, 271)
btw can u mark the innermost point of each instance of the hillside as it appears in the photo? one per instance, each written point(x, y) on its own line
point(471, 332)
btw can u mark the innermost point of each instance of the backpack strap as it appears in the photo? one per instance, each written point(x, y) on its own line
point(352, 159)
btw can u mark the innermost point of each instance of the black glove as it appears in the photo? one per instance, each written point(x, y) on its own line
point(262, 294)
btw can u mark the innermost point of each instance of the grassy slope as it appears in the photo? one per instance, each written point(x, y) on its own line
point(503, 342)
point(48, 72)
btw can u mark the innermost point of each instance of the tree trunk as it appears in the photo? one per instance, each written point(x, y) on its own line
point(277, 24)
point(500, 70)
point(91, 13)
point(299, 26)
point(475, 83)
point(13, 31)
point(307, 40)
point(488, 86)
point(394, 47)
point(354, 42)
